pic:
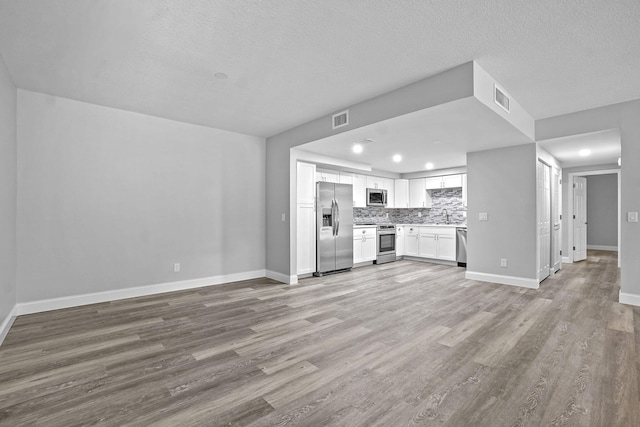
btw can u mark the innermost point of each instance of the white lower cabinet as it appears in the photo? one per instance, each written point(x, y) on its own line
point(364, 244)
point(447, 247)
point(411, 236)
point(429, 242)
point(399, 240)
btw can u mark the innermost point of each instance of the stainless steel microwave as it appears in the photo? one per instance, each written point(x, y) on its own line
point(376, 197)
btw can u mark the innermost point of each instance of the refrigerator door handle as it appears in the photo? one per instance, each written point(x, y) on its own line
point(337, 221)
point(333, 217)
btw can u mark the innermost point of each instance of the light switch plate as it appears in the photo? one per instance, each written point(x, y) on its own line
point(632, 216)
point(483, 216)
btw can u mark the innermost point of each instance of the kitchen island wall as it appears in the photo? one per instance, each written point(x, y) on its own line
point(449, 199)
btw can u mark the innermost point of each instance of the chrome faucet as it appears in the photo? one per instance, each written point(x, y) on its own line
point(446, 216)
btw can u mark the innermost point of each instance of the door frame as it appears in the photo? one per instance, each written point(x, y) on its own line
point(569, 258)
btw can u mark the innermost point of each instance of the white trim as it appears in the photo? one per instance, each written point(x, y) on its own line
point(503, 280)
point(567, 260)
point(7, 323)
point(117, 294)
point(603, 248)
point(630, 299)
point(291, 280)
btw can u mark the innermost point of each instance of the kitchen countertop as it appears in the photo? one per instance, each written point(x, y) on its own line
point(416, 225)
point(434, 225)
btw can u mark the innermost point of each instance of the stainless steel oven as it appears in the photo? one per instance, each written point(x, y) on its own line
point(386, 243)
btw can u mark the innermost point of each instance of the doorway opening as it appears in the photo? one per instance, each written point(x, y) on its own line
point(578, 220)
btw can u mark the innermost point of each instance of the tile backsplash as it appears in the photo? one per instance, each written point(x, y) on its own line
point(448, 198)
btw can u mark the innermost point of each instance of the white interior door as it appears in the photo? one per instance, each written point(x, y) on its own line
point(579, 218)
point(544, 219)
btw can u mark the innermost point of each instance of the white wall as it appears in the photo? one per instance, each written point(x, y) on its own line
point(502, 183)
point(109, 199)
point(7, 198)
point(602, 210)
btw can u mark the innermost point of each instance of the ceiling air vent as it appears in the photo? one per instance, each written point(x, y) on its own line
point(340, 119)
point(501, 98)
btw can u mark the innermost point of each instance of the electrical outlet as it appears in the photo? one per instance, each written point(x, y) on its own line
point(632, 216)
point(284, 217)
point(483, 216)
point(503, 263)
point(419, 214)
point(387, 214)
point(176, 267)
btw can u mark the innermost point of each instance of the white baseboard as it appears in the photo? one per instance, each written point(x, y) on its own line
point(291, 280)
point(6, 323)
point(630, 299)
point(503, 280)
point(603, 248)
point(567, 260)
point(78, 300)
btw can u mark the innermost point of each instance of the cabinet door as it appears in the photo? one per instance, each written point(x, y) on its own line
point(375, 182)
point(391, 192)
point(359, 191)
point(357, 248)
point(411, 241)
point(399, 244)
point(369, 248)
point(428, 245)
point(447, 247)
point(417, 193)
point(306, 239)
point(306, 183)
point(401, 187)
point(327, 176)
point(433, 182)
point(452, 181)
point(346, 178)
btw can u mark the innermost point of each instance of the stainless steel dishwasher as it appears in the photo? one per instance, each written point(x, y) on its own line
point(461, 246)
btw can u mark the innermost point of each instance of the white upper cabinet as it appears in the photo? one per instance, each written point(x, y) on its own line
point(446, 181)
point(401, 187)
point(306, 184)
point(359, 191)
point(327, 176)
point(418, 196)
point(452, 181)
point(433, 182)
point(389, 185)
point(375, 182)
point(346, 178)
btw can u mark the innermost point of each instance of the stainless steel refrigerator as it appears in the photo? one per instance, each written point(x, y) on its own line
point(334, 228)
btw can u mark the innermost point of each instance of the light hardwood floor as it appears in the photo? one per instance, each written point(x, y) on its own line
point(404, 343)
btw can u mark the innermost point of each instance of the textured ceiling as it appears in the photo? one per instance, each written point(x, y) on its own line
point(292, 61)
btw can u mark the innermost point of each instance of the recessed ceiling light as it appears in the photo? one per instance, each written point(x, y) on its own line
point(220, 76)
point(357, 148)
point(397, 158)
point(584, 152)
point(429, 166)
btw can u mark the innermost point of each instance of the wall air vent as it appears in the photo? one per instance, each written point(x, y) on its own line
point(340, 119)
point(501, 98)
